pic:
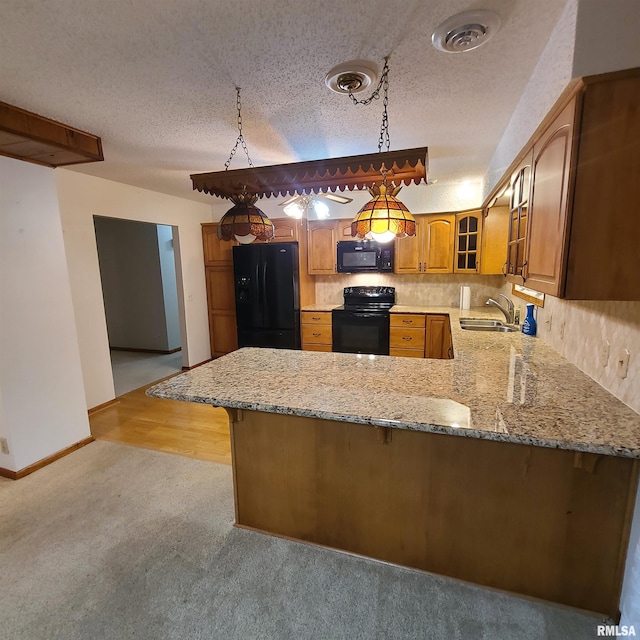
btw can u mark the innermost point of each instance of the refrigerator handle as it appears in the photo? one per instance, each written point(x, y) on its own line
point(265, 309)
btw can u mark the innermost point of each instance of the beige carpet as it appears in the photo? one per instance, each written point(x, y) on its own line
point(114, 542)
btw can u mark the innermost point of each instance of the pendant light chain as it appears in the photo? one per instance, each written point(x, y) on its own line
point(240, 139)
point(384, 139)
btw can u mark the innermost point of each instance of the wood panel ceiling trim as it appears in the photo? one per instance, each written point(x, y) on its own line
point(318, 176)
point(33, 138)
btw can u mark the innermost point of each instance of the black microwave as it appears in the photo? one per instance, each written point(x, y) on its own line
point(365, 255)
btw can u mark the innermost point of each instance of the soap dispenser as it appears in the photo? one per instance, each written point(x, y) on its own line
point(529, 325)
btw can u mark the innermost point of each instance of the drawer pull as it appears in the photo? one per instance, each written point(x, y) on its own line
point(317, 335)
point(407, 338)
point(408, 321)
point(315, 318)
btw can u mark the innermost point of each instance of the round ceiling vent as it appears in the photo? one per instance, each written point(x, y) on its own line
point(352, 77)
point(466, 31)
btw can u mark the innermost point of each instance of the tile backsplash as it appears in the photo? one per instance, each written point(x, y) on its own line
point(579, 329)
point(435, 290)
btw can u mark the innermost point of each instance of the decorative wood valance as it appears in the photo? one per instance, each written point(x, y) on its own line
point(318, 176)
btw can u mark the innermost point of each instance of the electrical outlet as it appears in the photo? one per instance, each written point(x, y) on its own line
point(623, 363)
point(605, 348)
point(4, 445)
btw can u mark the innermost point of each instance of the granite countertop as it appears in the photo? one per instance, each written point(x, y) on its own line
point(320, 307)
point(499, 386)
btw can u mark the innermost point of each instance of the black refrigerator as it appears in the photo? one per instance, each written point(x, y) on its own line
point(267, 295)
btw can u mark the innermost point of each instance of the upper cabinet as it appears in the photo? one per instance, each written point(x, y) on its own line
point(216, 252)
point(573, 227)
point(520, 187)
point(322, 239)
point(546, 233)
point(431, 249)
point(285, 230)
point(495, 234)
point(467, 242)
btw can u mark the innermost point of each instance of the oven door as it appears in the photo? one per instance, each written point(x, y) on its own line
point(361, 332)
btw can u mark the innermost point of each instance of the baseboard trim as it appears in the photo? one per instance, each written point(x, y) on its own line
point(197, 365)
point(102, 406)
point(16, 475)
point(159, 351)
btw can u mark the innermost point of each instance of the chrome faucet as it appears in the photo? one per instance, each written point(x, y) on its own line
point(508, 312)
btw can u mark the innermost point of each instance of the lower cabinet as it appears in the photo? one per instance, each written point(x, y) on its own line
point(439, 343)
point(406, 335)
point(417, 335)
point(316, 330)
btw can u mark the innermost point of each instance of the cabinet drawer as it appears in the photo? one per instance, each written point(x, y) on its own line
point(320, 334)
point(315, 347)
point(407, 353)
point(315, 317)
point(409, 338)
point(407, 320)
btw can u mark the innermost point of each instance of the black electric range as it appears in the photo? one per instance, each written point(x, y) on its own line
point(361, 325)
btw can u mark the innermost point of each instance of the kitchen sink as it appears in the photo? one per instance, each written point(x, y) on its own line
point(480, 324)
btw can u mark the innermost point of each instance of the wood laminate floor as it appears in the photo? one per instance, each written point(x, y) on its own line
point(183, 428)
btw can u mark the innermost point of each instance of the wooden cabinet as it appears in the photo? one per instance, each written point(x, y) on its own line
point(322, 238)
point(520, 186)
point(573, 231)
point(495, 235)
point(439, 343)
point(431, 249)
point(467, 242)
point(316, 330)
point(218, 259)
point(418, 335)
point(406, 335)
point(286, 230)
point(546, 233)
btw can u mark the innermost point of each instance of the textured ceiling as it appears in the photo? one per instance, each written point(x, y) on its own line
point(155, 80)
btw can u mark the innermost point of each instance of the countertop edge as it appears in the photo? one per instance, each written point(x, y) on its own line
point(493, 436)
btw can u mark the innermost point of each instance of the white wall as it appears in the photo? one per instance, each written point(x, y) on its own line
point(607, 36)
point(548, 80)
point(42, 406)
point(81, 197)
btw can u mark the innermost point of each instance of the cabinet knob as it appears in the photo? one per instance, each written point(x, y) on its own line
point(504, 268)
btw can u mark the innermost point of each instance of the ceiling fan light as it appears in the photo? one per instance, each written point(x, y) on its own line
point(293, 210)
point(244, 222)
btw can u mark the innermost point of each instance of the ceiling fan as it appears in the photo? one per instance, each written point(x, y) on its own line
point(297, 206)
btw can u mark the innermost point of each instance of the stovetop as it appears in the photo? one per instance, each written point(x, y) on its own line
point(368, 298)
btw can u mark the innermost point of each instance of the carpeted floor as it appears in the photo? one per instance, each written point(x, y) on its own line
point(114, 542)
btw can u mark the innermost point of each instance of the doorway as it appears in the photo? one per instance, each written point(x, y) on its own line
point(137, 264)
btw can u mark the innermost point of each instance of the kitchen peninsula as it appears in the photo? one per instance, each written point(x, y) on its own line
point(505, 466)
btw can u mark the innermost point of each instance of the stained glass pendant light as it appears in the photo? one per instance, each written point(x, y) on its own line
point(244, 222)
point(384, 217)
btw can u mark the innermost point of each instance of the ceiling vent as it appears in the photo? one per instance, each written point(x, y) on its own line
point(466, 31)
point(352, 77)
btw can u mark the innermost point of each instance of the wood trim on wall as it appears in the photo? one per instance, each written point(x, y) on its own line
point(104, 405)
point(16, 475)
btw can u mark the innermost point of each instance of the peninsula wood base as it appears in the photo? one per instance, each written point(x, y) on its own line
point(541, 522)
